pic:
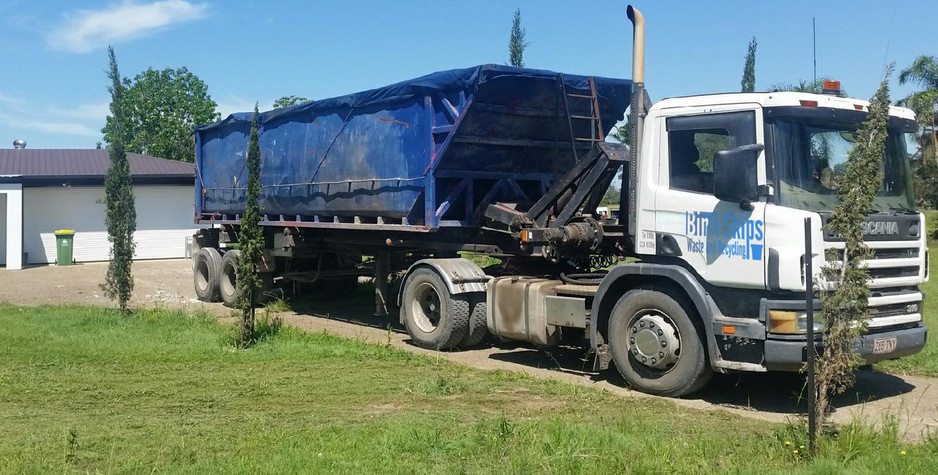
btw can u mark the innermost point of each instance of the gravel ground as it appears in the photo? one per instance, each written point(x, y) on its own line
point(772, 397)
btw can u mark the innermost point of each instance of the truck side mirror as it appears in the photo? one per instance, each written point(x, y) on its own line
point(734, 174)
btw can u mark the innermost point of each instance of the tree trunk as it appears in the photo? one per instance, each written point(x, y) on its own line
point(923, 147)
point(821, 402)
point(934, 143)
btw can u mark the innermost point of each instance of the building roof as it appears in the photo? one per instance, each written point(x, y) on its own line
point(53, 167)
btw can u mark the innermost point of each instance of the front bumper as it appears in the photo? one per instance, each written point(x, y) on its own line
point(791, 354)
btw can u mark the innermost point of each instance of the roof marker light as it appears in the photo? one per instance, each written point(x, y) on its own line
point(831, 87)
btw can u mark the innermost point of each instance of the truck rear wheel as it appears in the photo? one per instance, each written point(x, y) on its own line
point(434, 318)
point(656, 346)
point(206, 271)
point(478, 327)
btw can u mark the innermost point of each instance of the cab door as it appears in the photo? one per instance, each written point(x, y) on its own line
point(721, 241)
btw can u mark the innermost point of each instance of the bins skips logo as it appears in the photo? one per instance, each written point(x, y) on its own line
point(733, 235)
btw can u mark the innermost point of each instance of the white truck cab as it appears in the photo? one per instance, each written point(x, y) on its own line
point(748, 254)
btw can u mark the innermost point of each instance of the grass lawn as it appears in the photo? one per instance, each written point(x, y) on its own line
point(86, 390)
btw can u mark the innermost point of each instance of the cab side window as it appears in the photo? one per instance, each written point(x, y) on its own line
point(693, 141)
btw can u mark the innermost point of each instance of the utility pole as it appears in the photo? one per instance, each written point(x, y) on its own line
point(814, 38)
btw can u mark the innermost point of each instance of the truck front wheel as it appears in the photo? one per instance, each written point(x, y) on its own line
point(434, 318)
point(656, 346)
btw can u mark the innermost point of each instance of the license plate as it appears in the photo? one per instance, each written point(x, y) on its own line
point(884, 345)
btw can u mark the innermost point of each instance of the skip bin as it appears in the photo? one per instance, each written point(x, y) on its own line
point(402, 154)
point(64, 241)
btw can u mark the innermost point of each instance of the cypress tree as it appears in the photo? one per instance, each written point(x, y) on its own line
point(748, 82)
point(250, 240)
point(516, 42)
point(121, 217)
point(844, 308)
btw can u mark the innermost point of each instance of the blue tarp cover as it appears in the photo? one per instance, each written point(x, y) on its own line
point(370, 153)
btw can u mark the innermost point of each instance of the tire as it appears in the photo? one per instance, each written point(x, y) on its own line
point(228, 278)
point(434, 318)
point(206, 266)
point(228, 281)
point(478, 326)
point(646, 324)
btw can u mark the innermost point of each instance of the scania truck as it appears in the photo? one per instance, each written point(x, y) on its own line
point(701, 271)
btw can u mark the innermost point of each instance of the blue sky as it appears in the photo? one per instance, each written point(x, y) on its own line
point(53, 53)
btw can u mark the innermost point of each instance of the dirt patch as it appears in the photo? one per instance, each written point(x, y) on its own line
point(773, 397)
point(156, 283)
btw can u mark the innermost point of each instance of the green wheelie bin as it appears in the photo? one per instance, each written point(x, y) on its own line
point(64, 242)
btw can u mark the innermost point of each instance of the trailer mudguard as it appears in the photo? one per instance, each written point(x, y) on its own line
point(460, 275)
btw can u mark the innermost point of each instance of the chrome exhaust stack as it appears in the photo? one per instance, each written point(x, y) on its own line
point(637, 119)
point(638, 44)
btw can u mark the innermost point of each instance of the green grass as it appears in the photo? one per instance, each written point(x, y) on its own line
point(86, 390)
point(481, 260)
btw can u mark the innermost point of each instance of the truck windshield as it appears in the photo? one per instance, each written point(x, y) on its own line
point(809, 146)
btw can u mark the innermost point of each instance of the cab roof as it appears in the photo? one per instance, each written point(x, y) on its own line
point(777, 99)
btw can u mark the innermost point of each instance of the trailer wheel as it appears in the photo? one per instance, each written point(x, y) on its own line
point(434, 318)
point(656, 346)
point(228, 278)
point(478, 327)
point(228, 281)
point(206, 266)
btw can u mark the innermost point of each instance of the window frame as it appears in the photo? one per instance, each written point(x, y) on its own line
point(739, 125)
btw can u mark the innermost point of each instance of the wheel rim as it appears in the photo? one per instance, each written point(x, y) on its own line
point(229, 280)
point(201, 276)
point(426, 308)
point(654, 340)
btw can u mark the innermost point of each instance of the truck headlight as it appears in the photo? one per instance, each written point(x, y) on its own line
point(792, 323)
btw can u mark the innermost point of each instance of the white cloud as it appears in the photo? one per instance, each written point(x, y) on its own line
point(50, 127)
point(234, 103)
point(64, 128)
point(11, 101)
point(27, 118)
point(85, 30)
point(84, 111)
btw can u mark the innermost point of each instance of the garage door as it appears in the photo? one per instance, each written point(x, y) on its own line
point(164, 220)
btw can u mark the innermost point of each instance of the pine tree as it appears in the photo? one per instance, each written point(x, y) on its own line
point(121, 217)
point(516, 42)
point(844, 309)
point(748, 82)
point(250, 240)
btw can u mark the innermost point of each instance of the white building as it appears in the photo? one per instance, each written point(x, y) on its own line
point(42, 190)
